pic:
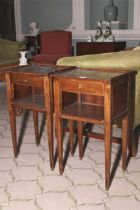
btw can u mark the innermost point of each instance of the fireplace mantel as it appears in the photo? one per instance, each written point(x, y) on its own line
point(79, 25)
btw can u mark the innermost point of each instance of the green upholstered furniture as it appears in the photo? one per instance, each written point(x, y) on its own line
point(9, 51)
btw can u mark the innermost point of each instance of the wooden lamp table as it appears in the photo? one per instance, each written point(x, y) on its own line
point(31, 78)
point(115, 87)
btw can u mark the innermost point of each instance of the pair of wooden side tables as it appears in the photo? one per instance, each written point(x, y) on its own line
point(97, 96)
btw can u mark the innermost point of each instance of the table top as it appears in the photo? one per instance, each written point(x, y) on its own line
point(94, 74)
point(36, 69)
point(99, 74)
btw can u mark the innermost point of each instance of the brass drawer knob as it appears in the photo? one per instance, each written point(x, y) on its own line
point(80, 86)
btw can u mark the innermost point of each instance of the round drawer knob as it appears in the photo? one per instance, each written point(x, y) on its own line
point(80, 86)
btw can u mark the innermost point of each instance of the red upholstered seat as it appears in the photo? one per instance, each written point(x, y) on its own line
point(54, 45)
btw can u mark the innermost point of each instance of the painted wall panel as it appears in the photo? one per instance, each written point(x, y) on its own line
point(50, 14)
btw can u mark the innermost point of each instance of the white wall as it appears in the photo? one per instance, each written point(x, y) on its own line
point(50, 14)
point(57, 14)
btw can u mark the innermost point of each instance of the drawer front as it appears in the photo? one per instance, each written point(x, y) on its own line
point(28, 80)
point(83, 86)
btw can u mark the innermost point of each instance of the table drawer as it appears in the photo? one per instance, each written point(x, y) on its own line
point(27, 80)
point(82, 86)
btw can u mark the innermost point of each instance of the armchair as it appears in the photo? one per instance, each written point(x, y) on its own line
point(54, 45)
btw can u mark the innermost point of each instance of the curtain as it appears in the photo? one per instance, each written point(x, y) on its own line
point(7, 20)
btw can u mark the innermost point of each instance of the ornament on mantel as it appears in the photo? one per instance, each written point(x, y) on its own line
point(110, 11)
point(34, 29)
point(89, 38)
point(108, 35)
point(99, 32)
point(104, 32)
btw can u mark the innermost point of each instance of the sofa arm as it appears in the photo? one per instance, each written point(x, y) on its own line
point(10, 49)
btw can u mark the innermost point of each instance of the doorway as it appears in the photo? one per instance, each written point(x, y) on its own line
point(7, 20)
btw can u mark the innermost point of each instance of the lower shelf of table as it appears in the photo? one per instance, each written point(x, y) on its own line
point(84, 112)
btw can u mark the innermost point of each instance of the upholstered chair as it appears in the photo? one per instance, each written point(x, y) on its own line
point(54, 45)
